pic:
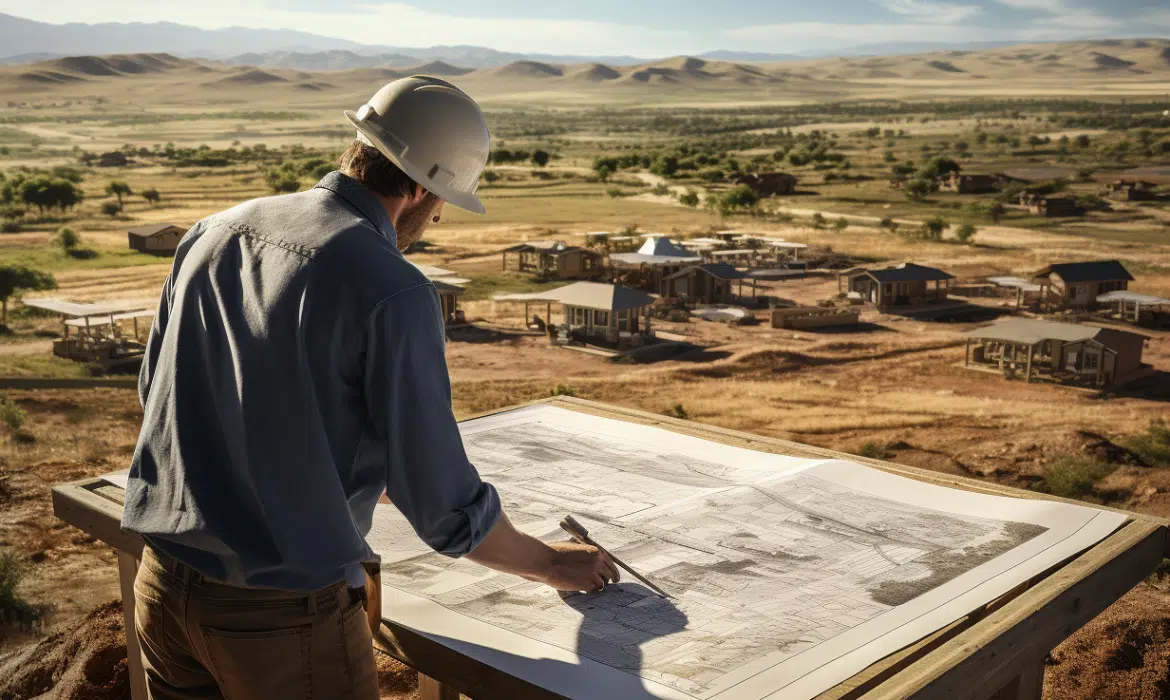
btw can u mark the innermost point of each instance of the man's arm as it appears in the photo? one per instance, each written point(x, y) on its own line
point(428, 476)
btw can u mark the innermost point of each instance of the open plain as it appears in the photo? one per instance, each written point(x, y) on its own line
point(207, 136)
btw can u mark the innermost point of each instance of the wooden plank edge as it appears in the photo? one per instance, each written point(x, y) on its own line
point(453, 668)
point(95, 515)
point(999, 648)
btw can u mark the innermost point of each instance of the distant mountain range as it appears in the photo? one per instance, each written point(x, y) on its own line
point(25, 41)
point(1117, 62)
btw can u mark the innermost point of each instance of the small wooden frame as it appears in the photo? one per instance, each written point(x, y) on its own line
point(994, 653)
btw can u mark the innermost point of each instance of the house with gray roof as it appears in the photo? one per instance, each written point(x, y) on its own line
point(1077, 285)
point(595, 311)
point(907, 284)
point(1064, 351)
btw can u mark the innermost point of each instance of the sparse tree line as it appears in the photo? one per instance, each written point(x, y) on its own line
point(58, 189)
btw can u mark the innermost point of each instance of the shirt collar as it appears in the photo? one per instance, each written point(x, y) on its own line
point(361, 198)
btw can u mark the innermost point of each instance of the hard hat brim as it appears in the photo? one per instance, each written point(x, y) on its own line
point(468, 201)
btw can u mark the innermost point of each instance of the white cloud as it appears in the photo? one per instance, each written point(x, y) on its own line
point(1045, 5)
point(932, 12)
point(394, 23)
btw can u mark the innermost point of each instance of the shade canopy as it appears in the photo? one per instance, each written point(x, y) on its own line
point(589, 295)
point(1030, 331)
point(75, 309)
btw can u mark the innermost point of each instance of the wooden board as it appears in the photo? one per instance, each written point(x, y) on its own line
point(993, 652)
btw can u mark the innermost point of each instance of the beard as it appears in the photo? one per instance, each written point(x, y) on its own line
point(413, 222)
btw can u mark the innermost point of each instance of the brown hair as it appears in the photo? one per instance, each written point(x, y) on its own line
point(368, 166)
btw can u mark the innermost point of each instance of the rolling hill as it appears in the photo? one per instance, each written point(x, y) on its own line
point(1135, 65)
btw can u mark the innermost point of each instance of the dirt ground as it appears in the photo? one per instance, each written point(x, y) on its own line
point(894, 383)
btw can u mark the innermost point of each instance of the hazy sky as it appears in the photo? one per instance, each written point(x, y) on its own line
point(640, 27)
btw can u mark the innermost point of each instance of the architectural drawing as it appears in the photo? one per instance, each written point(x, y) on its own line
point(764, 564)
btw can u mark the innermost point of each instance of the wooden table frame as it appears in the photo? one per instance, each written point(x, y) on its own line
point(994, 653)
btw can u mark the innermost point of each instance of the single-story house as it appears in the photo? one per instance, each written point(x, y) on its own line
point(963, 183)
point(594, 311)
point(1130, 190)
point(1063, 350)
point(156, 239)
point(1077, 285)
point(907, 284)
point(768, 184)
point(1051, 205)
point(658, 258)
point(552, 260)
point(709, 283)
point(112, 159)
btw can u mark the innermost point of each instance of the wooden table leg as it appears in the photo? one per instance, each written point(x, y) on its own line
point(127, 570)
point(431, 689)
point(1029, 685)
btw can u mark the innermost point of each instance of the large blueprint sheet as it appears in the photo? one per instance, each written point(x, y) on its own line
point(788, 575)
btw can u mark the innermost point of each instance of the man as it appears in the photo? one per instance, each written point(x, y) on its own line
point(294, 373)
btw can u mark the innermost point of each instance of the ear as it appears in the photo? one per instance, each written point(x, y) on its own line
point(418, 195)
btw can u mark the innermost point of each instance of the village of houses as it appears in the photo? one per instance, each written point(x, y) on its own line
point(634, 296)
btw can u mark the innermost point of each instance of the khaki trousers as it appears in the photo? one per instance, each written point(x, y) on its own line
point(202, 639)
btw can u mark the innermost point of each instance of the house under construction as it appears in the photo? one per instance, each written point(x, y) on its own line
point(907, 284)
point(658, 258)
point(595, 312)
point(552, 260)
point(1068, 352)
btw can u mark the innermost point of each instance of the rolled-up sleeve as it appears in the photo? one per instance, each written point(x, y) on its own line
point(408, 396)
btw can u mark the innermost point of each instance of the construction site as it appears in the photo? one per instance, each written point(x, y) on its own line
point(985, 336)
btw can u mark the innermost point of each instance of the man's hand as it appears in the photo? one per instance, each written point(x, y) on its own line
point(579, 567)
point(566, 566)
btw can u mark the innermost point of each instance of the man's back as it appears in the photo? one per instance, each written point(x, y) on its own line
point(261, 456)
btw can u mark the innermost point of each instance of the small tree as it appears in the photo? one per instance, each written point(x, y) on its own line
point(841, 224)
point(540, 158)
point(490, 176)
point(119, 190)
point(689, 198)
point(966, 232)
point(918, 188)
point(739, 198)
point(14, 278)
point(68, 239)
point(111, 208)
point(932, 229)
point(996, 211)
point(151, 195)
point(818, 220)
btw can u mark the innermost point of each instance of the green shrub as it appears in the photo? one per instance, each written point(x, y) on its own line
point(615, 192)
point(67, 238)
point(841, 224)
point(111, 208)
point(677, 411)
point(14, 610)
point(11, 414)
point(1075, 477)
point(873, 450)
point(689, 198)
point(1153, 445)
point(818, 220)
point(966, 232)
point(562, 390)
point(9, 226)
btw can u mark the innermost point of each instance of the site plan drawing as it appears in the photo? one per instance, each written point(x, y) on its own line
point(787, 575)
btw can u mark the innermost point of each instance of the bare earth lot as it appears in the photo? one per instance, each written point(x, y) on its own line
point(893, 387)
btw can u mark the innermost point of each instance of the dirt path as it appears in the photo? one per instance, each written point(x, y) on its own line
point(32, 347)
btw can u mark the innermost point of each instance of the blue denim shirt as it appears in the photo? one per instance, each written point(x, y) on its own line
point(294, 371)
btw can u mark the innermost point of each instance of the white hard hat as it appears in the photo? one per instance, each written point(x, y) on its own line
point(433, 131)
